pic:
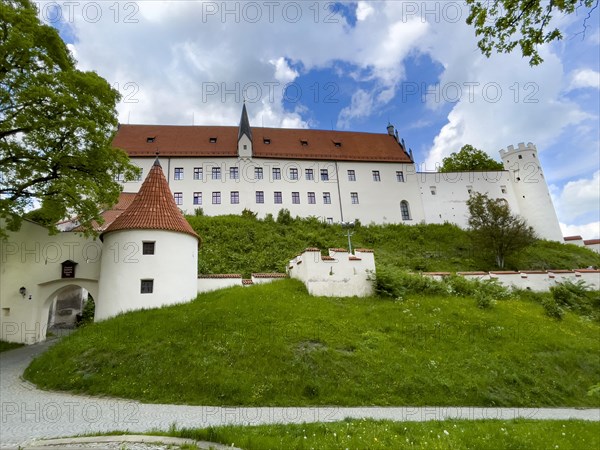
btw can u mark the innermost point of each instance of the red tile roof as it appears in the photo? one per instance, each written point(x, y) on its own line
point(591, 241)
point(221, 275)
point(573, 238)
point(269, 275)
point(195, 141)
point(153, 208)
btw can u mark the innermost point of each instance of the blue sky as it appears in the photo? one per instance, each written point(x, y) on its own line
point(354, 66)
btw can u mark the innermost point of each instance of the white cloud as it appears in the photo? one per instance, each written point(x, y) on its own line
point(578, 198)
point(585, 78)
point(363, 10)
point(586, 231)
point(283, 72)
point(361, 106)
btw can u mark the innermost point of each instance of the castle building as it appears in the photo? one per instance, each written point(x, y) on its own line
point(336, 176)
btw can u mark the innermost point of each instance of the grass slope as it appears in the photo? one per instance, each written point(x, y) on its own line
point(276, 345)
point(236, 244)
point(373, 435)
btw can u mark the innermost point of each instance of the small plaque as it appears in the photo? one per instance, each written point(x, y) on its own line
point(68, 269)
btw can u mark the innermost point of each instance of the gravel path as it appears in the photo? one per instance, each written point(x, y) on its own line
point(28, 413)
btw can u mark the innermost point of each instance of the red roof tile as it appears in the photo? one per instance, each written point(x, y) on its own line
point(573, 238)
point(153, 208)
point(195, 141)
point(591, 241)
point(269, 275)
point(246, 282)
point(220, 275)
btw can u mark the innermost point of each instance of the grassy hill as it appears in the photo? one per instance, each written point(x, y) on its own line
point(276, 345)
point(238, 244)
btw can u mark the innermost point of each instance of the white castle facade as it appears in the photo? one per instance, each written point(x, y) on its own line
point(333, 175)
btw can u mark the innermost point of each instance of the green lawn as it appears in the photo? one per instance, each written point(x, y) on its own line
point(276, 345)
point(236, 244)
point(373, 435)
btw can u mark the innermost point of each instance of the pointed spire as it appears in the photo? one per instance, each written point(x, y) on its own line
point(244, 124)
point(153, 208)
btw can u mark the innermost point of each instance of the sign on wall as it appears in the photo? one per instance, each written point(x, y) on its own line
point(68, 269)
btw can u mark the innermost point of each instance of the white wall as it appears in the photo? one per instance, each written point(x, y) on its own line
point(448, 202)
point(372, 206)
point(531, 190)
point(336, 275)
point(32, 259)
point(208, 283)
point(539, 281)
point(173, 268)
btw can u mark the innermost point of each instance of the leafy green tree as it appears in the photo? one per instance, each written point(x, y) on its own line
point(495, 230)
point(467, 159)
point(504, 24)
point(56, 126)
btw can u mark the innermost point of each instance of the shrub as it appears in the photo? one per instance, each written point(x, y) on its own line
point(552, 309)
point(249, 214)
point(284, 217)
point(577, 297)
point(87, 314)
point(198, 212)
point(395, 283)
point(484, 300)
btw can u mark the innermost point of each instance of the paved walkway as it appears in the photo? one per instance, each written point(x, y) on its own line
point(28, 413)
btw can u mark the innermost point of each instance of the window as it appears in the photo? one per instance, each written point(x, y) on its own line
point(178, 198)
point(234, 173)
point(309, 174)
point(433, 190)
point(470, 189)
point(351, 175)
point(258, 173)
point(212, 140)
point(404, 210)
point(235, 197)
point(260, 197)
point(399, 176)
point(376, 176)
point(147, 286)
point(119, 177)
point(139, 177)
point(216, 173)
point(151, 139)
point(179, 173)
point(303, 142)
point(197, 173)
point(520, 156)
point(148, 248)
point(197, 198)
point(311, 198)
point(337, 144)
point(293, 174)
point(276, 173)
point(324, 175)
point(295, 197)
point(327, 198)
point(354, 197)
point(503, 189)
point(278, 197)
point(266, 141)
point(216, 198)
point(330, 221)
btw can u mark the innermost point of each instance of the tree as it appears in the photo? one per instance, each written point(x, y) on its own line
point(56, 127)
point(469, 158)
point(495, 230)
point(504, 24)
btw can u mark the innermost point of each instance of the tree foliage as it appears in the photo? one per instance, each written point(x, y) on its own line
point(467, 159)
point(504, 24)
point(56, 126)
point(495, 230)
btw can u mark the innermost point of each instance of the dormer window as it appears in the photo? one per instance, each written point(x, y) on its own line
point(303, 142)
point(212, 140)
point(150, 139)
point(266, 141)
point(337, 144)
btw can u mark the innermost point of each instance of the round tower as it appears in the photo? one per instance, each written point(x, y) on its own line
point(149, 253)
point(530, 188)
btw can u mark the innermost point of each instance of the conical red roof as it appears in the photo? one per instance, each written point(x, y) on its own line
point(153, 208)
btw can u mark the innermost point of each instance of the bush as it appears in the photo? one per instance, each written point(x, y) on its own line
point(395, 283)
point(249, 214)
point(87, 314)
point(552, 309)
point(198, 212)
point(484, 300)
point(284, 217)
point(577, 297)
